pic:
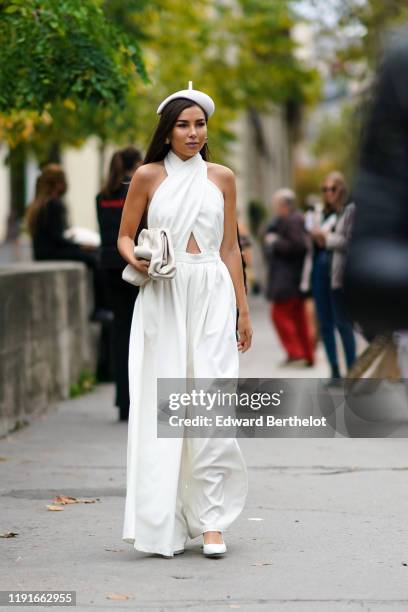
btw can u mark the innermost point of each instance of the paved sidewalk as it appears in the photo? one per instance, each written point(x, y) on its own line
point(324, 528)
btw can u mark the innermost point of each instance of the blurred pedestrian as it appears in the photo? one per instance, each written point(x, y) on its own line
point(47, 224)
point(376, 270)
point(285, 246)
point(120, 295)
point(376, 274)
point(330, 243)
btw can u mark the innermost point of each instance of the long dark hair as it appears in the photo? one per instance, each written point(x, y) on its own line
point(158, 149)
point(51, 177)
point(122, 163)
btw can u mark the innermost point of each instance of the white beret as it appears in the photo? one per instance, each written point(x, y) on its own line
point(195, 95)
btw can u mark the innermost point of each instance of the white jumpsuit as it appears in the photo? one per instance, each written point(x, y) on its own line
point(182, 327)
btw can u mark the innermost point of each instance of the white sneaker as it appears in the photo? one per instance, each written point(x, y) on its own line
point(214, 550)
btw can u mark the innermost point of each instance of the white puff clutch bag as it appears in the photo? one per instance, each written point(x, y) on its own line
point(154, 244)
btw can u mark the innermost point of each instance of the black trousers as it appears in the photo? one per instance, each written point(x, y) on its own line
point(121, 298)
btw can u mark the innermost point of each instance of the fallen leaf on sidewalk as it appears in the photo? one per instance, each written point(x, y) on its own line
point(52, 507)
point(119, 596)
point(67, 499)
point(3, 458)
point(8, 534)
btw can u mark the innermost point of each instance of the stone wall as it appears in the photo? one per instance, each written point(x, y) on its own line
point(45, 337)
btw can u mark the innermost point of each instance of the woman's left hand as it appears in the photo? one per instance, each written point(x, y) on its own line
point(244, 333)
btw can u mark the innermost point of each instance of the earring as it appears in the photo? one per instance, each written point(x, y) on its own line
point(167, 141)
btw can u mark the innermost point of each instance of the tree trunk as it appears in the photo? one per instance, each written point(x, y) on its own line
point(17, 162)
point(101, 161)
point(54, 153)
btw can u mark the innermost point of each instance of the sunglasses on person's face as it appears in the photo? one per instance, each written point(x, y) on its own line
point(329, 189)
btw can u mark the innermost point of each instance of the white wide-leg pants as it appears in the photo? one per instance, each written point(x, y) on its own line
point(181, 487)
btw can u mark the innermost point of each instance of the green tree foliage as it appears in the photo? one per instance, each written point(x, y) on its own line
point(60, 53)
point(375, 17)
point(351, 35)
point(57, 50)
point(361, 27)
point(336, 142)
point(267, 69)
point(240, 52)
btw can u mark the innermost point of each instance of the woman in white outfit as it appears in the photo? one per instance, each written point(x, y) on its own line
point(184, 327)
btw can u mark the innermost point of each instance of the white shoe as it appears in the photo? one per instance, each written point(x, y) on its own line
point(214, 550)
point(179, 552)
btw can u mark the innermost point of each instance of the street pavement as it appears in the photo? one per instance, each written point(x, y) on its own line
point(323, 529)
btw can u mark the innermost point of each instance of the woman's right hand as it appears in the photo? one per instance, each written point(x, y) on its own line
point(141, 265)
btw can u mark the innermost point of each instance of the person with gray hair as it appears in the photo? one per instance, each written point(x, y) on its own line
point(285, 247)
point(329, 254)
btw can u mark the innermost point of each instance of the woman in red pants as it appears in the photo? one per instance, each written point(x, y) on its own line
point(285, 245)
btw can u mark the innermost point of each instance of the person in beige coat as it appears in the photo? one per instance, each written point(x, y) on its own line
point(335, 241)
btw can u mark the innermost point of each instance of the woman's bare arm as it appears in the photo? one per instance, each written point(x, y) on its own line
point(231, 256)
point(133, 209)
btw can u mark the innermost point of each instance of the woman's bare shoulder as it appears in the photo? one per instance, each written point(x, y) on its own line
point(149, 173)
point(222, 176)
point(220, 170)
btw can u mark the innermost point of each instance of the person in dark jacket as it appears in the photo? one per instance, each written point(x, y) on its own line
point(120, 294)
point(47, 222)
point(285, 246)
point(376, 273)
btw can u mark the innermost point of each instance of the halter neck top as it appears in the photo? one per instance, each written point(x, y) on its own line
point(186, 202)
